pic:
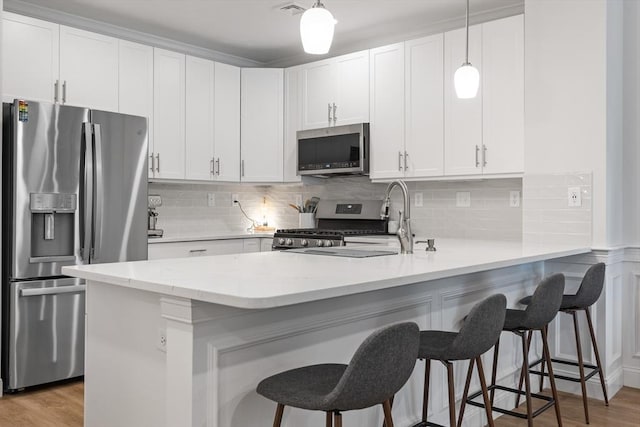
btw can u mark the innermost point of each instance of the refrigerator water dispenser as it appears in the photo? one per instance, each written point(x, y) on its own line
point(52, 226)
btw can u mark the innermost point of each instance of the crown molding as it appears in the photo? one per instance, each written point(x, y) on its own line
point(428, 30)
point(63, 18)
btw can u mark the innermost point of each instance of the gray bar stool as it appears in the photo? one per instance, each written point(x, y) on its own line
point(587, 295)
point(380, 367)
point(543, 307)
point(480, 331)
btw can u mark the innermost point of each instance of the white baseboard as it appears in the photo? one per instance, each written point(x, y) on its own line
point(613, 381)
point(631, 377)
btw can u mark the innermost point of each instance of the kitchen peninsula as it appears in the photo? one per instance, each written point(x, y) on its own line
point(183, 342)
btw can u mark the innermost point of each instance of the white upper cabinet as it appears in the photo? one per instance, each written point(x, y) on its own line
point(227, 123)
point(503, 96)
point(424, 107)
point(30, 56)
point(292, 122)
point(88, 69)
point(135, 85)
point(169, 114)
point(462, 117)
point(199, 122)
point(335, 91)
point(262, 124)
point(387, 112)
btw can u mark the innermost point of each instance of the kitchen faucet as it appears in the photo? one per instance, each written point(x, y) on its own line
point(404, 221)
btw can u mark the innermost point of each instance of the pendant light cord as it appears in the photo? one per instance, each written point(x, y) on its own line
point(466, 57)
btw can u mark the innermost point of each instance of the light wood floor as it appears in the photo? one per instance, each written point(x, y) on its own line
point(61, 406)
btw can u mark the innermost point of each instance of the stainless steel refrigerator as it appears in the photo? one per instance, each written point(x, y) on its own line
point(74, 192)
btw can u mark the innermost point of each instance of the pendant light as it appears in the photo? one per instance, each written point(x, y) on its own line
point(466, 80)
point(316, 29)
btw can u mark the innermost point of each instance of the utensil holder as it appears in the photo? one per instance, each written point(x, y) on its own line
point(306, 220)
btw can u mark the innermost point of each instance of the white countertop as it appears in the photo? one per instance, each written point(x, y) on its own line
point(209, 236)
point(273, 279)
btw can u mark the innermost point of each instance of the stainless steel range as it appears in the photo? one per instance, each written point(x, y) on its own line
point(336, 219)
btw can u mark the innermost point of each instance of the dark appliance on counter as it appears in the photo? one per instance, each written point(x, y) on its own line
point(337, 220)
point(335, 150)
point(74, 185)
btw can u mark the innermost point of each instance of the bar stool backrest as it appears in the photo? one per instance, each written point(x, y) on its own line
point(591, 286)
point(379, 368)
point(545, 302)
point(481, 328)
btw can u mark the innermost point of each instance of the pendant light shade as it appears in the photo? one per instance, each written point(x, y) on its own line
point(316, 29)
point(466, 80)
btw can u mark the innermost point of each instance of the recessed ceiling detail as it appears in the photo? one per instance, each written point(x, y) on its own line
point(292, 9)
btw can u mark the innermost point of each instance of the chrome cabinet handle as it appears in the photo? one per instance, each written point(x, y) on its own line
point(217, 169)
point(158, 162)
point(484, 155)
point(212, 170)
point(477, 152)
point(242, 168)
point(153, 163)
point(55, 91)
point(329, 113)
point(400, 160)
point(335, 108)
point(195, 251)
point(64, 92)
point(406, 160)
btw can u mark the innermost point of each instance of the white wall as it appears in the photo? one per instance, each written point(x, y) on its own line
point(573, 101)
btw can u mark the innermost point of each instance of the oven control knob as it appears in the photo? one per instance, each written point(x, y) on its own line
point(289, 242)
point(281, 241)
point(320, 243)
point(304, 242)
point(328, 243)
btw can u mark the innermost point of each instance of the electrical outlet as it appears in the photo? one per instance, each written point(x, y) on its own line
point(514, 199)
point(154, 200)
point(211, 199)
point(234, 198)
point(574, 197)
point(161, 340)
point(418, 200)
point(463, 199)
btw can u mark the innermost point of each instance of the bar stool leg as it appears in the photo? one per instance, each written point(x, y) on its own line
point(485, 395)
point(546, 327)
point(425, 399)
point(338, 418)
point(595, 349)
point(384, 422)
point(494, 371)
point(452, 395)
point(466, 392)
point(386, 408)
point(278, 418)
point(523, 370)
point(329, 419)
point(552, 380)
point(583, 383)
point(527, 385)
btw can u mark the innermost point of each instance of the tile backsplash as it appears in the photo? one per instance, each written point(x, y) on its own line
point(185, 209)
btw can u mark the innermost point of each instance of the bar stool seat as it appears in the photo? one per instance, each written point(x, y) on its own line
point(379, 368)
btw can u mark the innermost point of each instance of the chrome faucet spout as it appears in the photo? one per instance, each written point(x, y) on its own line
point(404, 221)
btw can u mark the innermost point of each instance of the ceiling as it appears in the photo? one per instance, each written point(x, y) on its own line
point(257, 30)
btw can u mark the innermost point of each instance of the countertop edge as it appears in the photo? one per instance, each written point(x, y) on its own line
point(230, 236)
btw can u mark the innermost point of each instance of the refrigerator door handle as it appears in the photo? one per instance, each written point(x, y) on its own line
point(86, 191)
point(98, 190)
point(52, 291)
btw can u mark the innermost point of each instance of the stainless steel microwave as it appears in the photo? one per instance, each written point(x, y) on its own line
point(334, 150)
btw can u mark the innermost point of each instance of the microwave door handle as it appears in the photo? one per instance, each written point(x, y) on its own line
point(98, 191)
point(86, 193)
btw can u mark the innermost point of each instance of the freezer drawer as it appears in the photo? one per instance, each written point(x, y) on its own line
point(46, 331)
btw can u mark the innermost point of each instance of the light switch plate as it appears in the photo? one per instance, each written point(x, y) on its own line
point(211, 200)
point(514, 199)
point(463, 199)
point(418, 200)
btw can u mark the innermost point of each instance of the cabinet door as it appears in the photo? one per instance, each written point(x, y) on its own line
point(135, 83)
point(462, 117)
point(292, 122)
point(262, 124)
point(352, 97)
point(168, 112)
point(387, 112)
point(199, 122)
point(503, 95)
point(424, 114)
point(318, 94)
point(29, 58)
point(89, 69)
point(195, 249)
point(227, 122)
